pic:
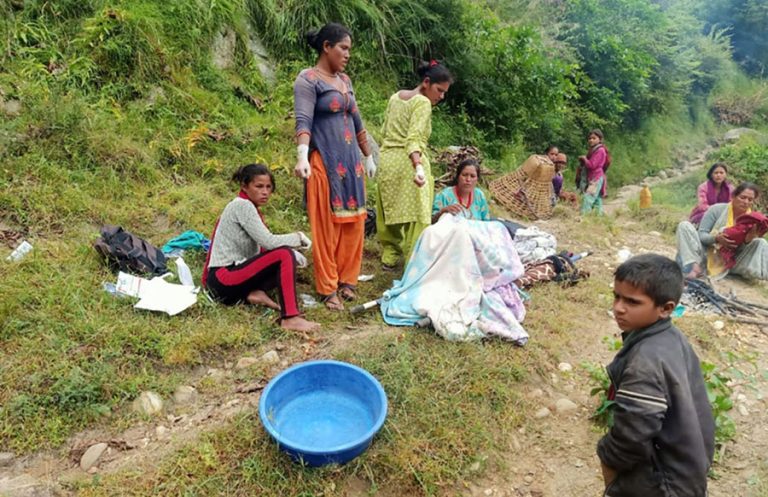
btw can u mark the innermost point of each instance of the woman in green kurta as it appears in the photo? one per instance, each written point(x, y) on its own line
point(405, 186)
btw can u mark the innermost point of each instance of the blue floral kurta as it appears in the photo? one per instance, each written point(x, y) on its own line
point(478, 209)
point(332, 121)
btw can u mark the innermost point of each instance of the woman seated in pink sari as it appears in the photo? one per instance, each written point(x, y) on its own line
point(716, 190)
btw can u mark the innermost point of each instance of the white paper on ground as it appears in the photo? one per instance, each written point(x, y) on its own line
point(130, 285)
point(159, 295)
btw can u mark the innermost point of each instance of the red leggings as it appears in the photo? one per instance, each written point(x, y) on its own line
point(272, 269)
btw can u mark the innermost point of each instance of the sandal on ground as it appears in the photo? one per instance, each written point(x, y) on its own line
point(332, 302)
point(347, 292)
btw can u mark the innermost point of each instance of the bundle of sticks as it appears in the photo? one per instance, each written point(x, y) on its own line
point(731, 306)
point(451, 157)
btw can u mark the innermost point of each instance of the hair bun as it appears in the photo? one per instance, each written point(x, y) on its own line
point(423, 68)
point(237, 177)
point(435, 71)
point(311, 38)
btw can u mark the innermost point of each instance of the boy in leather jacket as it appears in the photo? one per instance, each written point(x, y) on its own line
point(663, 436)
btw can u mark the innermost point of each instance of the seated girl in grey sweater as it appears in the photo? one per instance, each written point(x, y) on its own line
point(246, 260)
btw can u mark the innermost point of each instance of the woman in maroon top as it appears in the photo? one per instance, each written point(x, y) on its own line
point(590, 175)
point(716, 190)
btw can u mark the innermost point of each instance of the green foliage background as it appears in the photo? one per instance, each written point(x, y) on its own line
point(527, 74)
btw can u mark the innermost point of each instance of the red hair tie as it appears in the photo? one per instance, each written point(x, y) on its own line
point(433, 63)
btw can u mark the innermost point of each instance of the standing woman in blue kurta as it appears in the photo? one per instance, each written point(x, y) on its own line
point(330, 135)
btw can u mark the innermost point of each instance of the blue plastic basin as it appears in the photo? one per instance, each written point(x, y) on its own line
point(323, 412)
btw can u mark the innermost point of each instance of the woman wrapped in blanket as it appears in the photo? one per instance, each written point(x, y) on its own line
point(405, 186)
point(463, 198)
point(699, 250)
point(330, 136)
point(246, 260)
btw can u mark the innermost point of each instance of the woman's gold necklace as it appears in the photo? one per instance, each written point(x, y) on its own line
point(332, 79)
point(326, 74)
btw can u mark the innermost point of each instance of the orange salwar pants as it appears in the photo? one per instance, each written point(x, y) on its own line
point(337, 243)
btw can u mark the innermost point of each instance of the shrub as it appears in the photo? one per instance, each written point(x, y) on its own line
point(508, 82)
point(749, 162)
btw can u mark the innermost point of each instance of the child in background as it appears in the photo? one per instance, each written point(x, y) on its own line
point(561, 161)
point(551, 152)
point(590, 175)
point(663, 435)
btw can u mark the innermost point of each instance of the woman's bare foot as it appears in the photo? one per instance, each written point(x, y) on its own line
point(259, 297)
point(333, 303)
point(298, 323)
point(694, 273)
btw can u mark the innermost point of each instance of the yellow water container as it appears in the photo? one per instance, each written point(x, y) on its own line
point(646, 199)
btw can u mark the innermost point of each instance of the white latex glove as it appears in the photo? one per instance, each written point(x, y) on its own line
point(305, 242)
point(370, 166)
point(301, 261)
point(420, 177)
point(302, 168)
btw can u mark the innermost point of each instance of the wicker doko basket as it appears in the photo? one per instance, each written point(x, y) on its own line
point(527, 192)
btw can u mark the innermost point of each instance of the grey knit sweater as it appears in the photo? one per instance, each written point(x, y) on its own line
point(241, 234)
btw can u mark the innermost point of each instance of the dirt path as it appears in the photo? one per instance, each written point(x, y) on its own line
point(632, 192)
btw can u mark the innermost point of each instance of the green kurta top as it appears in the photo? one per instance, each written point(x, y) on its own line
point(407, 126)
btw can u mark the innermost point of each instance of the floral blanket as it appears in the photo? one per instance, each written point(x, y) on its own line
point(461, 276)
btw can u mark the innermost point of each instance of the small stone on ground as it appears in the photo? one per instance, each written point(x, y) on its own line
point(185, 394)
point(148, 403)
point(542, 413)
point(270, 357)
point(6, 458)
point(246, 362)
point(92, 455)
point(565, 405)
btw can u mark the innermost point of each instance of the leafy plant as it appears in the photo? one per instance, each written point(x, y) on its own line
point(612, 342)
point(603, 414)
point(719, 394)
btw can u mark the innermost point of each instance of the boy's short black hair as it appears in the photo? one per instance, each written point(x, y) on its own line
point(657, 276)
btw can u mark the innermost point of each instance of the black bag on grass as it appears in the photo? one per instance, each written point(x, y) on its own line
point(129, 253)
point(370, 223)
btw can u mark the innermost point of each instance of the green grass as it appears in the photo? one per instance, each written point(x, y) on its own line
point(660, 143)
point(672, 202)
point(448, 405)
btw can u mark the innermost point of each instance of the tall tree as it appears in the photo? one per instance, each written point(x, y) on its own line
point(747, 21)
